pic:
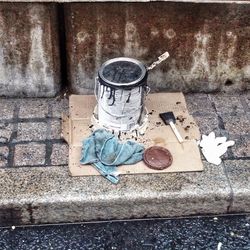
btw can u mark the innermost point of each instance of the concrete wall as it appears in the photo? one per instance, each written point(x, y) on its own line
point(208, 43)
point(29, 51)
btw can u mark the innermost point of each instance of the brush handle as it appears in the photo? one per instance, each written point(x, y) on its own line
point(161, 58)
point(176, 132)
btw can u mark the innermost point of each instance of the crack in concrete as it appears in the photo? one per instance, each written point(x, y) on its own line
point(231, 194)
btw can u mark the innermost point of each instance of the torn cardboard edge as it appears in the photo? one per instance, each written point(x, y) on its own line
point(186, 156)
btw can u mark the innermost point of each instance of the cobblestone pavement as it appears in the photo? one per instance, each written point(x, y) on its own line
point(30, 132)
point(30, 129)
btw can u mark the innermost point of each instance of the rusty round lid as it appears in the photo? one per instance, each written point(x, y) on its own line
point(157, 158)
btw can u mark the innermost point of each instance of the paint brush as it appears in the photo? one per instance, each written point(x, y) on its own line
point(161, 58)
point(169, 119)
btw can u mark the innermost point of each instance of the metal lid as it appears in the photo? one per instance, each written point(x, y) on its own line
point(157, 158)
point(122, 72)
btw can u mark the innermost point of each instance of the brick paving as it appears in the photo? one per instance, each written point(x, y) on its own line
point(30, 129)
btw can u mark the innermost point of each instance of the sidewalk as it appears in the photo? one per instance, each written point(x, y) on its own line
point(35, 186)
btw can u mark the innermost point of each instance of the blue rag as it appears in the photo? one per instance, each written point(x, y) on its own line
point(103, 150)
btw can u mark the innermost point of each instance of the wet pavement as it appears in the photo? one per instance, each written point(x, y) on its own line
point(229, 233)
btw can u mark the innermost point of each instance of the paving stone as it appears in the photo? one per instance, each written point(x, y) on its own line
point(60, 153)
point(6, 109)
point(59, 106)
point(207, 124)
point(32, 131)
point(30, 154)
point(56, 129)
point(199, 104)
point(238, 172)
point(33, 108)
point(58, 197)
point(5, 132)
point(236, 125)
point(227, 104)
point(4, 152)
point(241, 147)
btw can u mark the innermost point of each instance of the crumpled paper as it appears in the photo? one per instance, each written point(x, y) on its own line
point(214, 147)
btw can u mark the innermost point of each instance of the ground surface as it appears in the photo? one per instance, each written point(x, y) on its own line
point(231, 233)
point(30, 129)
point(36, 188)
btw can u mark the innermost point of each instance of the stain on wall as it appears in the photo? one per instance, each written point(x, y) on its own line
point(208, 43)
point(29, 53)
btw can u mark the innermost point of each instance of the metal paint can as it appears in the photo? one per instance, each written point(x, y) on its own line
point(121, 88)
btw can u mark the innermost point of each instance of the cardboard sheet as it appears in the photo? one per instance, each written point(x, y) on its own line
point(186, 156)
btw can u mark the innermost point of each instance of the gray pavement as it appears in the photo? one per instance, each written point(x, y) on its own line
point(35, 185)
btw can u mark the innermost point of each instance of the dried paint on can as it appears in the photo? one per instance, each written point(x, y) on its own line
point(122, 87)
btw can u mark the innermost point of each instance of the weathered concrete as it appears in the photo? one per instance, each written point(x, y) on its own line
point(239, 175)
point(208, 43)
point(49, 195)
point(29, 50)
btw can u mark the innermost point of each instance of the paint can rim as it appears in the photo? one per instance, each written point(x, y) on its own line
point(141, 80)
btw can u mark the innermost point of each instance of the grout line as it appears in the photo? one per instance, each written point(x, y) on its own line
point(236, 158)
point(48, 153)
point(221, 126)
point(244, 104)
point(34, 166)
point(38, 142)
point(231, 194)
point(48, 136)
point(13, 136)
point(199, 114)
point(37, 119)
point(245, 107)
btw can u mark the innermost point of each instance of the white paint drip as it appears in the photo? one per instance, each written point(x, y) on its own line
point(232, 47)
point(154, 32)
point(133, 47)
point(246, 71)
point(83, 82)
point(114, 35)
point(37, 78)
point(124, 111)
point(173, 76)
point(82, 36)
point(37, 57)
point(225, 57)
point(98, 46)
point(200, 67)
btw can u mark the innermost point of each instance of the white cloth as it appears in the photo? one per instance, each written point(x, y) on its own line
point(214, 147)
